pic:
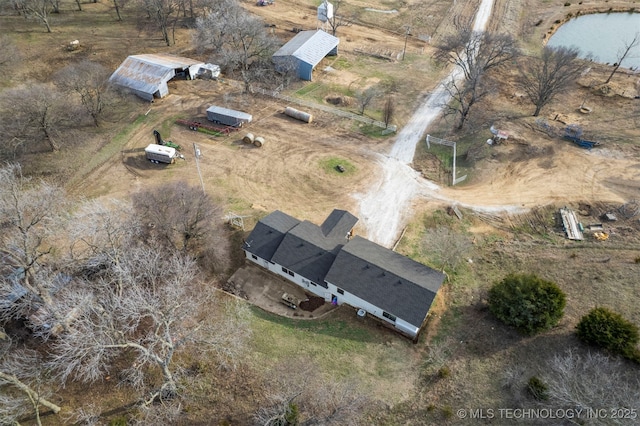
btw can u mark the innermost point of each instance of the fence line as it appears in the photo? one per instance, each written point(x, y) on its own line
point(325, 108)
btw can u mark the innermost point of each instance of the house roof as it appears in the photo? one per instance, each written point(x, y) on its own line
point(268, 233)
point(307, 251)
point(338, 224)
point(398, 285)
point(395, 283)
point(309, 46)
point(145, 73)
point(303, 247)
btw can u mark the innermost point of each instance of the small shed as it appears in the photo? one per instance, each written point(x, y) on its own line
point(305, 51)
point(147, 75)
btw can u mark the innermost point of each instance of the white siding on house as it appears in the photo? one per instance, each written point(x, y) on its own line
point(358, 303)
point(257, 260)
point(296, 278)
point(332, 290)
point(317, 289)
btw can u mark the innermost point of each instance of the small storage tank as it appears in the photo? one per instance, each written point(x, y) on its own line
point(258, 141)
point(325, 11)
point(248, 138)
point(299, 115)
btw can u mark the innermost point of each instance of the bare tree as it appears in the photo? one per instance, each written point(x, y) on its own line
point(179, 215)
point(591, 380)
point(152, 324)
point(465, 94)
point(21, 384)
point(103, 241)
point(365, 97)
point(338, 19)
point(88, 415)
point(37, 112)
point(299, 396)
point(623, 53)
point(473, 54)
point(117, 5)
point(37, 9)
point(544, 77)
point(388, 111)
point(90, 81)
point(238, 40)
point(29, 212)
point(447, 248)
point(164, 14)
point(320, 402)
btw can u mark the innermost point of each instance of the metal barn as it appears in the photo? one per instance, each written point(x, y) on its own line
point(147, 75)
point(306, 50)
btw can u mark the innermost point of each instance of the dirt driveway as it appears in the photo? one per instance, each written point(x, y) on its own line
point(287, 173)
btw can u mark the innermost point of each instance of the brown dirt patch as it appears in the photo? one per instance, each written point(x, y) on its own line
point(311, 303)
point(265, 290)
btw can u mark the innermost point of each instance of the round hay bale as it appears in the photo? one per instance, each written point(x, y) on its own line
point(299, 115)
point(248, 138)
point(258, 141)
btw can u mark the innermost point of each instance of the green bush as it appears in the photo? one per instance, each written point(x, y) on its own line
point(609, 330)
point(444, 372)
point(292, 416)
point(118, 421)
point(538, 389)
point(447, 412)
point(527, 302)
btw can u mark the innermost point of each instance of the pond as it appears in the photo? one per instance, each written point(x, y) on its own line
point(601, 36)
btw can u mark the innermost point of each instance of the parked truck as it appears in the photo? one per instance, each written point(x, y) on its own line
point(160, 154)
point(228, 117)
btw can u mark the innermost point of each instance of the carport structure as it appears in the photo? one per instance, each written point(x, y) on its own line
point(305, 51)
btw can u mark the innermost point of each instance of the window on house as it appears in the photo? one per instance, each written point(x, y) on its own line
point(291, 273)
point(389, 316)
point(284, 270)
point(340, 291)
point(312, 283)
point(254, 257)
point(324, 284)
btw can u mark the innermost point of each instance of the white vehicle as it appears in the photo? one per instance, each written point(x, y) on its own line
point(161, 154)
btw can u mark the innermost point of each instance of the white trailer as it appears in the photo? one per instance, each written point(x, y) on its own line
point(228, 117)
point(160, 154)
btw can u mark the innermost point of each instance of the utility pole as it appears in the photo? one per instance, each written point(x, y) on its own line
point(196, 151)
point(406, 36)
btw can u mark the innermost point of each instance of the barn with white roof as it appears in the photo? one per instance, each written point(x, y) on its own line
point(147, 75)
point(305, 51)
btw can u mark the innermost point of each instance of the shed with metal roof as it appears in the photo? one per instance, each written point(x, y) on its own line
point(305, 51)
point(147, 75)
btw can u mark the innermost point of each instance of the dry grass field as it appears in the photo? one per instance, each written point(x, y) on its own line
point(487, 364)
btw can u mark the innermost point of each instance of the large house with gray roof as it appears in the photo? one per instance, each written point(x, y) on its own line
point(305, 51)
point(330, 262)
